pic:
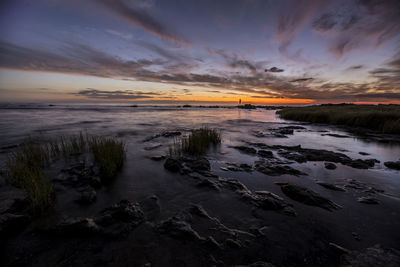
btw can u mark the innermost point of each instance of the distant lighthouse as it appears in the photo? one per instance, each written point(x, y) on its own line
point(240, 101)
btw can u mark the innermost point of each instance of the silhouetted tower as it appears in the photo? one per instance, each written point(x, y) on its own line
point(240, 101)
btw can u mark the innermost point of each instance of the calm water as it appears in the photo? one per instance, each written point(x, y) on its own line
point(142, 177)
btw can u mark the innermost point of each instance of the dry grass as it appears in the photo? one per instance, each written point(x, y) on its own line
point(382, 118)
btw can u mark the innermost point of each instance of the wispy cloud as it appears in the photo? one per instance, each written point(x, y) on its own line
point(140, 16)
point(120, 94)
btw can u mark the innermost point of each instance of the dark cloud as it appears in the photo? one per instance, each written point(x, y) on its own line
point(273, 69)
point(361, 23)
point(355, 67)
point(83, 60)
point(235, 61)
point(125, 94)
point(139, 15)
point(301, 80)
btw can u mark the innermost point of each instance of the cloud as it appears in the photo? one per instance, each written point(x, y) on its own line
point(301, 80)
point(126, 36)
point(84, 60)
point(355, 67)
point(362, 23)
point(138, 15)
point(292, 18)
point(274, 69)
point(235, 61)
point(126, 94)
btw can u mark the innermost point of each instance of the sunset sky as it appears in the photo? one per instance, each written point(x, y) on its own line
point(260, 51)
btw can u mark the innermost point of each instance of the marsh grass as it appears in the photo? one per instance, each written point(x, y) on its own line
point(109, 154)
point(382, 118)
point(25, 169)
point(196, 143)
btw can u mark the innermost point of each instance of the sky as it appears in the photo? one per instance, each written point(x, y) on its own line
point(167, 51)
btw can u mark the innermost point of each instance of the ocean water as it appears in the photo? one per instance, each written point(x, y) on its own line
point(142, 177)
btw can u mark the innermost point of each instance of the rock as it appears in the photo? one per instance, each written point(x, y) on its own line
point(212, 243)
point(368, 200)
point(363, 153)
point(269, 201)
point(12, 199)
point(245, 149)
point(331, 186)
point(265, 153)
point(276, 169)
point(172, 165)
point(236, 167)
point(260, 264)
point(284, 130)
point(330, 166)
point(362, 164)
point(308, 197)
point(113, 221)
point(336, 135)
point(12, 223)
point(208, 183)
point(339, 249)
point(233, 243)
point(170, 133)
point(152, 147)
point(76, 227)
point(373, 257)
point(157, 158)
point(179, 229)
point(87, 196)
point(395, 165)
point(198, 165)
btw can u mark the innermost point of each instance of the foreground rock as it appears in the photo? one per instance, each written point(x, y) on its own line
point(269, 201)
point(113, 221)
point(373, 257)
point(308, 197)
point(187, 165)
point(272, 168)
point(301, 155)
point(331, 186)
point(395, 165)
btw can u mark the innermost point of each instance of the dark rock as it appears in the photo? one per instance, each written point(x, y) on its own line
point(331, 186)
point(179, 229)
point(233, 243)
point(113, 221)
point(269, 201)
point(12, 199)
point(336, 135)
point(157, 158)
point(368, 200)
point(265, 153)
point(152, 147)
point(170, 133)
point(276, 169)
point(363, 153)
point(198, 165)
point(172, 165)
point(238, 167)
point(12, 223)
point(330, 166)
point(260, 264)
point(212, 243)
point(76, 227)
point(245, 149)
point(308, 197)
point(284, 130)
point(395, 165)
point(87, 196)
point(373, 257)
point(362, 164)
point(208, 183)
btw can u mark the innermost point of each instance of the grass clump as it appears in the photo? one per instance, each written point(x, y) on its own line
point(197, 142)
point(381, 118)
point(109, 153)
point(25, 169)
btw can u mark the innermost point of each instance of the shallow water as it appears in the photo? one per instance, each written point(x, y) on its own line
point(141, 177)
